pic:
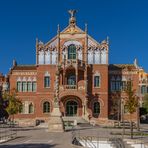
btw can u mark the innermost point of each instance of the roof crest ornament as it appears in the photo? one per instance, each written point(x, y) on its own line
point(72, 20)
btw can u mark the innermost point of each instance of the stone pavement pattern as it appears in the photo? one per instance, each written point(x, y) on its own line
point(33, 137)
point(39, 138)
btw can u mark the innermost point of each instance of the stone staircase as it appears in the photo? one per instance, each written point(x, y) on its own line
point(79, 120)
point(69, 122)
point(127, 144)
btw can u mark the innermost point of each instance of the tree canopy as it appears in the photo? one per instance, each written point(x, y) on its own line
point(145, 102)
point(13, 103)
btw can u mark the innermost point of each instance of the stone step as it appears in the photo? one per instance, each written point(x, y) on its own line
point(79, 120)
point(43, 125)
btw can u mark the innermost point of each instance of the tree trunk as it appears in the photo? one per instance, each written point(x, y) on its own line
point(131, 127)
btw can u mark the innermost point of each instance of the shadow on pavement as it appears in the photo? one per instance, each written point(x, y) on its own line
point(28, 146)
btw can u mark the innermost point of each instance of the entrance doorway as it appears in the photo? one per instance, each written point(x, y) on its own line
point(71, 108)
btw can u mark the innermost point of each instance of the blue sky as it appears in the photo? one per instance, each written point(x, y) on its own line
point(124, 21)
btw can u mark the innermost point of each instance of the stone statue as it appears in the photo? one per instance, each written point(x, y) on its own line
point(72, 13)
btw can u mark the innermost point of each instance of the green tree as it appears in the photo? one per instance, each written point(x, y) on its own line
point(14, 103)
point(116, 107)
point(145, 102)
point(131, 103)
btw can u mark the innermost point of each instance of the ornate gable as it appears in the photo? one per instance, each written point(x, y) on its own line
point(52, 42)
point(72, 30)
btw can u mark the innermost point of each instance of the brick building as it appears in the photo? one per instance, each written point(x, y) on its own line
point(1, 82)
point(73, 68)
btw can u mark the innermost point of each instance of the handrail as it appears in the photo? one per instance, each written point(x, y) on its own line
point(70, 86)
point(88, 141)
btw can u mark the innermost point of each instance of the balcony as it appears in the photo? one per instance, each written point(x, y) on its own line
point(79, 63)
point(70, 62)
point(70, 87)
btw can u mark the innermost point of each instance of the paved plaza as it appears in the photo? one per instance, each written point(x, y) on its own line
point(34, 137)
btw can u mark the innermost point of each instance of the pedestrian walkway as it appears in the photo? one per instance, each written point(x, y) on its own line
point(35, 137)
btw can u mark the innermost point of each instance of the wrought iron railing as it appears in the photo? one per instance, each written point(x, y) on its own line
point(70, 86)
point(8, 131)
point(81, 140)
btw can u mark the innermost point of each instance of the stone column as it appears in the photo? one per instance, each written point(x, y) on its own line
point(55, 122)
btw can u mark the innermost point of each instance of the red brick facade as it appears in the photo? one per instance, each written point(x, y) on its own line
point(74, 68)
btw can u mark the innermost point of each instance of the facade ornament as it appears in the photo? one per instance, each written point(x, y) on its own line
point(37, 41)
point(58, 29)
point(136, 63)
point(72, 20)
point(107, 39)
point(86, 28)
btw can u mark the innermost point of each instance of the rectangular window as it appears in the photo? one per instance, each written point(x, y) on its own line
point(19, 87)
point(124, 85)
point(46, 81)
point(72, 52)
point(143, 89)
point(118, 83)
point(34, 86)
point(24, 86)
point(125, 109)
point(96, 81)
point(113, 87)
point(29, 86)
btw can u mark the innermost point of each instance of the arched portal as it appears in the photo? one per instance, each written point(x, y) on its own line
point(71, 108)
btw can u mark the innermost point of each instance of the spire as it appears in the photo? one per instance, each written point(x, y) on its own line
point(136, 63)
point(107, 40)
point(86, 28)
point(58, 29)
point(14, 63)
point(72, 19)
point(37, 41)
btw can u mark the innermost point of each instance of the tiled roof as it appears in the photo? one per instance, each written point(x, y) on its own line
point(24, 67)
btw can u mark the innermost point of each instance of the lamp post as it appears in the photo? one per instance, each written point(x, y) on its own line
point(138, 107)
point(122, 116)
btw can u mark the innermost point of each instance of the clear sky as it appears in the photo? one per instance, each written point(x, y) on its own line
point(124, 21)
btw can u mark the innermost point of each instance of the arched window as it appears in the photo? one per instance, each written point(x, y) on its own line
point(47, 57)
point(29, 86)
point(19, 86)
point(22, 108)
point(97, 56)
point(31, 108)
point(96, 108)
point(71, 80)
point(90, 57)
point(41, 57)
point(54, 57)
point(97, 81)
point(47, 80)
point(72, 51)
point(103, 57)
point(24, 86)
point(80, 54)
point(46, 107)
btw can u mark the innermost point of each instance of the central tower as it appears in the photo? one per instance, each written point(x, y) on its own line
point(78, 66)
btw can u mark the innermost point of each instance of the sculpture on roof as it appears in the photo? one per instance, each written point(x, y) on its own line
point(72, 20)
point(72, 13)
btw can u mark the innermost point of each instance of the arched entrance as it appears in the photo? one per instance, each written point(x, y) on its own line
point(71, 108)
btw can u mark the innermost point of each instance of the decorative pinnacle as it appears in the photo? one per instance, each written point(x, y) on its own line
point(72, 20)
point(86, 28)
point(58, 30)
point(37, 42)
point(107, 39)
